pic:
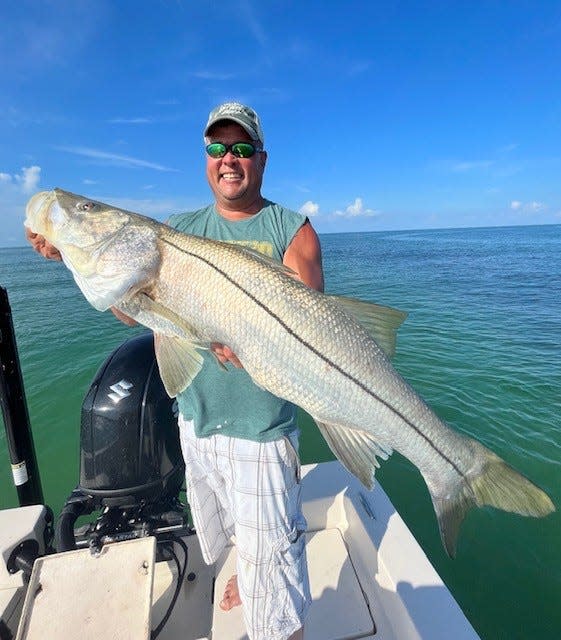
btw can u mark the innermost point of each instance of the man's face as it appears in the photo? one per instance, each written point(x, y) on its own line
point(235, 182)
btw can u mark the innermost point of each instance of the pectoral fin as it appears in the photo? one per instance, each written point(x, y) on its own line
point(165, 321)
point(381, 322)
point(178, 360)
point(175, 343)
point(357, 450)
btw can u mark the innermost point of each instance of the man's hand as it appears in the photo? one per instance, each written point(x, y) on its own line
point(42, 246)
point(131, 322)
point(224, 354)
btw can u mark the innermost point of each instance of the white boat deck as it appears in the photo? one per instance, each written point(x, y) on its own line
point(369, 579)
point(339, 610)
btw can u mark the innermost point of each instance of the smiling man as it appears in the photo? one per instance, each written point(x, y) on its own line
point(239, 441)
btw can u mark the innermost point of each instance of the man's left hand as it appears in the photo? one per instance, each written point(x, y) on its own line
point(224, 354)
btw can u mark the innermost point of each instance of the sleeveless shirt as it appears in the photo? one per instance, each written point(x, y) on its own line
point(228, 402)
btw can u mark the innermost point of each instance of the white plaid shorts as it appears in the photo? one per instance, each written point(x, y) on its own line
point(251, 490)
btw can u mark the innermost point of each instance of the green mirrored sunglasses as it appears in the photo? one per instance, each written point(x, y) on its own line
point(239, 149)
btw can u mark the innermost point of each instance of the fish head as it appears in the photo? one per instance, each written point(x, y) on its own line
point(66, 219)
point(111, 252)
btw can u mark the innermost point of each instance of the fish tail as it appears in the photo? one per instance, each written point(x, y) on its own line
point(495, 484)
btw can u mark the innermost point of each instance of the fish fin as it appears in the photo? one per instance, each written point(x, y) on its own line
point(381, 322)
point(173, 324)
point(450, 513)
point(263, 258)
point(177, 356)
point(175, 344)
point(178, 361)
point(357, 450)
point(496, 484)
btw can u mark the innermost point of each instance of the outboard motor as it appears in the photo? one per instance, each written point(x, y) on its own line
point(131, 468)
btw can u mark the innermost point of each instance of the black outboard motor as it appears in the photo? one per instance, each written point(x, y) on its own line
point(129, 446)
point(131, 468)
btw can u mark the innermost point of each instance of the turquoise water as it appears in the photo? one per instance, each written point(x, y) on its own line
point(482, 344)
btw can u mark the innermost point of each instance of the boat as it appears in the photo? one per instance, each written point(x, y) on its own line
point(123, 560)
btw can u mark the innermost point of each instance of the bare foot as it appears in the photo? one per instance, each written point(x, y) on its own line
point(231, 597)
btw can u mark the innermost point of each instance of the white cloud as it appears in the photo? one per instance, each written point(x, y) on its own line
point(309, 209)
point(24, 182)
point(508, 148)
point(211, 75)
point(254, 25)
point(30, 178)
point(528, 207)
point(140, 120)
point(114, 159)
point(14, 193)
point(355, 210)
point(471, 165)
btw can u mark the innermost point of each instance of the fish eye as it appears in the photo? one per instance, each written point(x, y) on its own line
point(85, 206)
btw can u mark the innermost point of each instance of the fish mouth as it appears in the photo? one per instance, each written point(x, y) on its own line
point(38, 210)
point(45, 215)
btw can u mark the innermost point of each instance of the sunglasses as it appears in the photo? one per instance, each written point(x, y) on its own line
point(239, 149)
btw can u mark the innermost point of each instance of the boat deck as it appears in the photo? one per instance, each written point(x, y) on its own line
point(368, 576)
point(369, 579)
point(339, 610)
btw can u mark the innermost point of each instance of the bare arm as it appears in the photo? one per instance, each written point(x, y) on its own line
point(303, 256)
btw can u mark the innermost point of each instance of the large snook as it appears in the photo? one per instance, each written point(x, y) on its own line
point(315, 350)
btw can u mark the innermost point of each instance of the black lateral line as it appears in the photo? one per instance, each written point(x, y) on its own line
point(316, 352)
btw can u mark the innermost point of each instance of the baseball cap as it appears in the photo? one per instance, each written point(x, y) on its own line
point(241, 114)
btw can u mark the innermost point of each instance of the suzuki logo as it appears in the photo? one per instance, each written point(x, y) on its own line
point(120, 390)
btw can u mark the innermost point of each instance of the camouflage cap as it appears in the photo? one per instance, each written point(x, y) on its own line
point(242, 115)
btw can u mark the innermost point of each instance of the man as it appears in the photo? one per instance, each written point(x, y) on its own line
point(238, 440)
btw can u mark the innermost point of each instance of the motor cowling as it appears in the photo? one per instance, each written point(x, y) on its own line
point(129, 443)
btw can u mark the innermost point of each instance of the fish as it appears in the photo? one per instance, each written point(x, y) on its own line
point(329, 355)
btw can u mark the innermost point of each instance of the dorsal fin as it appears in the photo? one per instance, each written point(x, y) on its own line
point(381, 322)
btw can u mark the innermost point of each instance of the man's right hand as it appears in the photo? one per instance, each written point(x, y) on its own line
point(42, 246)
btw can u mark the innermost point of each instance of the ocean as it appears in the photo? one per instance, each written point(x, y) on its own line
point(482, 344)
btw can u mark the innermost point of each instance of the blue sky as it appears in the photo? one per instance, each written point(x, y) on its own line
point(377, 115)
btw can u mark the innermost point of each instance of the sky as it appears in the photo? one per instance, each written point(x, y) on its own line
point(377, 115)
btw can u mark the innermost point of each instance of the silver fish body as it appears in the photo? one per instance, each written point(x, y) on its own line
point(299, 344)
